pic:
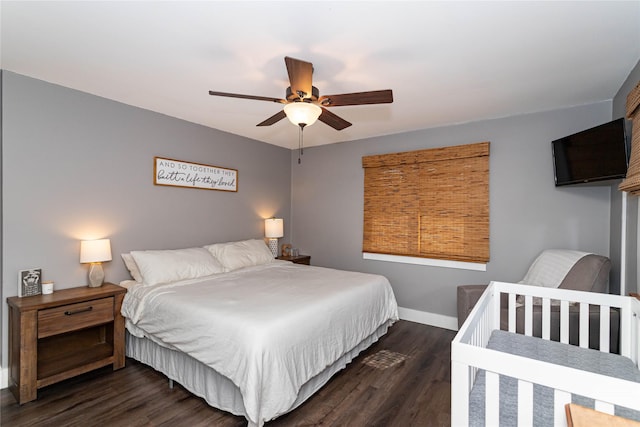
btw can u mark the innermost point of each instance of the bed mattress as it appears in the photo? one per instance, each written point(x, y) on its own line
point(268, 329)
point(216, 389)
point(612, 365)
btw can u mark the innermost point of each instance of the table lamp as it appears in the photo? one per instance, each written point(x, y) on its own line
point(95, 252)
point(273, 229)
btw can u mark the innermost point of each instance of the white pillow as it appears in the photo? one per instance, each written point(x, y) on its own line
point(131, 265)
point(164, 266)
point(129, 284)
point(246, 253)
point(549, 270)
point(551, 267)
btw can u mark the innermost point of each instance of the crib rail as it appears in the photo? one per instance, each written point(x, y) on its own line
point(468, 352)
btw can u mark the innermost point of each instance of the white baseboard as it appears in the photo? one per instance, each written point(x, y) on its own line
point(431, 319)
point(4, 377)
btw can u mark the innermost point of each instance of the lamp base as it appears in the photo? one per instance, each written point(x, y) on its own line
point(96, 275)
point(273, 245)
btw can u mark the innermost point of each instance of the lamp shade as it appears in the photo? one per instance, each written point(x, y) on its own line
point(302, 113)
point(273, 228)
point(95, 250)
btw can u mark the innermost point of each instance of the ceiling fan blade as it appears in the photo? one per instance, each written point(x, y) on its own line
point(257, 98)
point(273, 119)
point(358, 98)
point(336, 122)
point(300, 76)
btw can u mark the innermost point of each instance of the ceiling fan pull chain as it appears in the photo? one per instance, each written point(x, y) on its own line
point(300, 141)
point(299, 144)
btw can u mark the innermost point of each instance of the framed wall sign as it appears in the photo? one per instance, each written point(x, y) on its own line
point(177, 173)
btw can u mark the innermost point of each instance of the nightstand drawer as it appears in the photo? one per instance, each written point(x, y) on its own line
point(72, 317)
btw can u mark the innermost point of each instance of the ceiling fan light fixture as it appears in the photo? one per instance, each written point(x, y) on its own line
point(302, 113)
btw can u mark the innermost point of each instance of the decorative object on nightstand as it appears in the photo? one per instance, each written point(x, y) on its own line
point(29, 282)
point(47, 287)
point(95, 252)
point(273, 230)
point(297, 259)
point(64, 334)
point(286, 249)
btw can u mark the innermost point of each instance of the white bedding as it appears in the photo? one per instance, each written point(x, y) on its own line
point(268, 328)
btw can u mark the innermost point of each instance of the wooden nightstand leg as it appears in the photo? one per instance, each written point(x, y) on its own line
point(118, 334)
point(23, 362)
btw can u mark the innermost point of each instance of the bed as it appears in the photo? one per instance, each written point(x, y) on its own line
point(251, 335)
point(509, 377)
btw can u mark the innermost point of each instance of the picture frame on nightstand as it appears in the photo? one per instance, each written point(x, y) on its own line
point(29, 282)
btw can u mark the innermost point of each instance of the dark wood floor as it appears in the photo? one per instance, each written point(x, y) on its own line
point(415, 392)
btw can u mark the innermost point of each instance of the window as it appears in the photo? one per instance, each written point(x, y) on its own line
point(430, 203)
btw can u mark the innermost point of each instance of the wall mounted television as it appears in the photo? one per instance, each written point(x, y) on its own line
point(593, 155)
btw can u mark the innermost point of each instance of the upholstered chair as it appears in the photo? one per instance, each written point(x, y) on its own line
point(572, 270)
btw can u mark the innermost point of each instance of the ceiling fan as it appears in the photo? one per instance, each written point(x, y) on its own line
point(303, 103)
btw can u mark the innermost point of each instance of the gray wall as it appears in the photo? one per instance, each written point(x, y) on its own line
point(528, 213)
point(632, 274)
point(76, 166)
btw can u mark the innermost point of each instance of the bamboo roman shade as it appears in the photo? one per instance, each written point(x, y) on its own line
point(632, 181)
point(429, 203)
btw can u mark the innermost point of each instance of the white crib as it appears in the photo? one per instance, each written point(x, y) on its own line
point(470, 355)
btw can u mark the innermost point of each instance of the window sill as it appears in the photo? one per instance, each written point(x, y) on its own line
point(461, 265)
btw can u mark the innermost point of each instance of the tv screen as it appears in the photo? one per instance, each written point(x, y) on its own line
point(596, 154)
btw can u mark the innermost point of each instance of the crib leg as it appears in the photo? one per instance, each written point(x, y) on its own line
point(170, 383)
point(460, 399)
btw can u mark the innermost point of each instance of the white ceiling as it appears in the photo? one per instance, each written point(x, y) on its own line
point(447, 62)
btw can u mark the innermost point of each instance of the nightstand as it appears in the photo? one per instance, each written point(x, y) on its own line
point(60, 335)
point(300, 259)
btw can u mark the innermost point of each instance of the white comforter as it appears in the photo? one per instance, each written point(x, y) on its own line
point(268, 328)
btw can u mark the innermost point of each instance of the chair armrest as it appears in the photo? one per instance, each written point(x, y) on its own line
point(468, 296)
